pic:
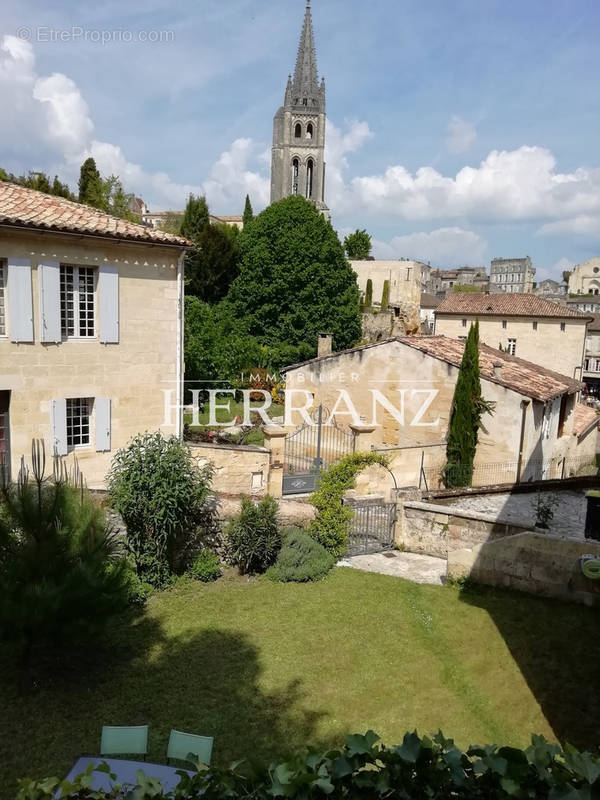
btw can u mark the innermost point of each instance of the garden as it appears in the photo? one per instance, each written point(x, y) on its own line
point(249, 634)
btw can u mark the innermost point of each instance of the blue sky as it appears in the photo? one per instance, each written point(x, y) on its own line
point(458, 131)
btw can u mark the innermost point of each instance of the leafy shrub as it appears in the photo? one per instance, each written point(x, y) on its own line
point(430, 767)
point(138, 591)
point(205, 567)
point(300, 559)
point(62, 570)
point(253, 538)
point(164, 499)
point(330, 527)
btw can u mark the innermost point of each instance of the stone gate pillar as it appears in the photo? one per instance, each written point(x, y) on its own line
point(275, 444)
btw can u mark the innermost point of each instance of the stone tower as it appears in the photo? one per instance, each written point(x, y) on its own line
point(298, 154)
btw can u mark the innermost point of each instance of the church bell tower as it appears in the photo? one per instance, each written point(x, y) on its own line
point(298, 153)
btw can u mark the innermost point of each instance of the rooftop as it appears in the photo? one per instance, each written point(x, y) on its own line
point(429, 300)
point(29, 209)
point(523, 377)
point(585, 419)
point(594, 325)
point(506, 304)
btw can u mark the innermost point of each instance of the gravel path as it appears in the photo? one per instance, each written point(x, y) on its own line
point(411, 566)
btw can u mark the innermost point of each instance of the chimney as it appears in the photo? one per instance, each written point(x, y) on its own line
point(497, 369)
point(324, 344)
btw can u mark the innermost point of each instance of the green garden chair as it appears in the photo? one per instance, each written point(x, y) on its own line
point(184, 745)
point(132, 740)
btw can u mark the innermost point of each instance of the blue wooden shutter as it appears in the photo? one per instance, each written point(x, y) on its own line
point(108, 293)
point(102, 409)
point(49, 291)
point(58, 413)
point(20, 300)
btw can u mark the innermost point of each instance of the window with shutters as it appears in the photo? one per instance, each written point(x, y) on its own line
point(512, 346)
point(78, 421)
point(3, 276)
point(77, 301)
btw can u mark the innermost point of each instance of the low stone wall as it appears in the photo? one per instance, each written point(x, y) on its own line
point(240, 470)
point(437, 530)
point(530, 562)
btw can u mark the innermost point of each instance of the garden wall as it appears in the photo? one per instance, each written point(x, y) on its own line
point(531, 562)
point(239, 469)
point(437, 530)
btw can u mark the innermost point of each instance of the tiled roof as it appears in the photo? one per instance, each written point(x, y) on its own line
point(506, 304)
point(429, 300)
point(594, 325)
point(514, 373)
point(27, 208)
point(585, 418)
point(521, 376)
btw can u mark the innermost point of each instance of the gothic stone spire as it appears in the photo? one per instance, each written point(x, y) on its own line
point(305, 86)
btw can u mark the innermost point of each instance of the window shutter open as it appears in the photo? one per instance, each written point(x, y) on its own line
point(102, 408)
point(108, 294)
point(20, 300)
point(59, 427)
point(49, 291)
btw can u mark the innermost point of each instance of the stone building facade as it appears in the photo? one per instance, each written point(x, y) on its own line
point(585, 278)
point(298, 152)
point(513, 275)
point(524, 325)
point(404, 279)
point(90, 330)
point(591, 364)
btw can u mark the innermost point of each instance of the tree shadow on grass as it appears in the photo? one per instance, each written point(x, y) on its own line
point(207, 682)
point(556, 646)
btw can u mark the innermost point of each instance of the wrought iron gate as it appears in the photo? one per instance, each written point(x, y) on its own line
point(372, 528)
point(311, 449)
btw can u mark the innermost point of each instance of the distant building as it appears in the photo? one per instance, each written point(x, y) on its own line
point(429, 303)
point(591, 364)
point(442, 281)
point(404, 279)
point(586, 303)
point(524, 325)
point(585, 278)
point(550, 288)
point(154, 219)
point(514, 275)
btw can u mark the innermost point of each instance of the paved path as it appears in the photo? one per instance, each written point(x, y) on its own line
point(411, 566)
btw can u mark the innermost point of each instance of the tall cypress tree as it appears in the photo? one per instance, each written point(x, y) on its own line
point(465, 416)
point(195, 218)
point(90, 185)
point(248, 212)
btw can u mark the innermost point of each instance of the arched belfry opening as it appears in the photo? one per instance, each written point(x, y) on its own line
point(299, 128)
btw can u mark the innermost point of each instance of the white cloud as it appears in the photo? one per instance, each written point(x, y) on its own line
point(51, 117)
point(338, 146)
point(445, 247)
point(460, 135)
point(583, 225)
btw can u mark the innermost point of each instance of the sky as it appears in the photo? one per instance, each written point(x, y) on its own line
point(458, 130)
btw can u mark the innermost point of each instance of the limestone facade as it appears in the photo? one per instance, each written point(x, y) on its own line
point(585, 278)
point(121, 377)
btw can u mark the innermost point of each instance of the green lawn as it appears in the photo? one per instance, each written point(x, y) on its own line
point(266, 668)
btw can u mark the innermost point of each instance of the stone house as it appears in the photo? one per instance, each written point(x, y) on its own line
point(428, 305)
point(513, 275)
point(585, 278)
point(90, 330)
point(405, 288)
point(397, 395)
point(524, 325)
point(591, 364)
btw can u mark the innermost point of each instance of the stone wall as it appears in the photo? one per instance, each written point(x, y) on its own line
point(531, 562)
point(240, 470)
point(377, 326)
point(437, 530)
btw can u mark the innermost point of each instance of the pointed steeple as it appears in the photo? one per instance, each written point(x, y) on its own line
point(305, 85)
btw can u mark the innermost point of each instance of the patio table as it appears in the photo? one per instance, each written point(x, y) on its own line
point(125, 772)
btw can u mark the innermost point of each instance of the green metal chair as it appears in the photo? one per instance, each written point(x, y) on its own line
point(184, 745)
point(131, 740)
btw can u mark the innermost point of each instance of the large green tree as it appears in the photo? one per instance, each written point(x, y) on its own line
point(195, 218)
point(212, 265)
point(465, 415)
point(294, 281)
point(91, 190)
point(358, 245)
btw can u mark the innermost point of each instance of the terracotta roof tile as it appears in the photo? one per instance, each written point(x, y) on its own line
point(506, 304)
point(585, 418)
point(27, 208)
point(429, 300)
point(594, 325)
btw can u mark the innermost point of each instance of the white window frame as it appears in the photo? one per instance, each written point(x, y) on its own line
point(512, 347)
point(76, 431)
point(76, 299)
point(3, 294)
